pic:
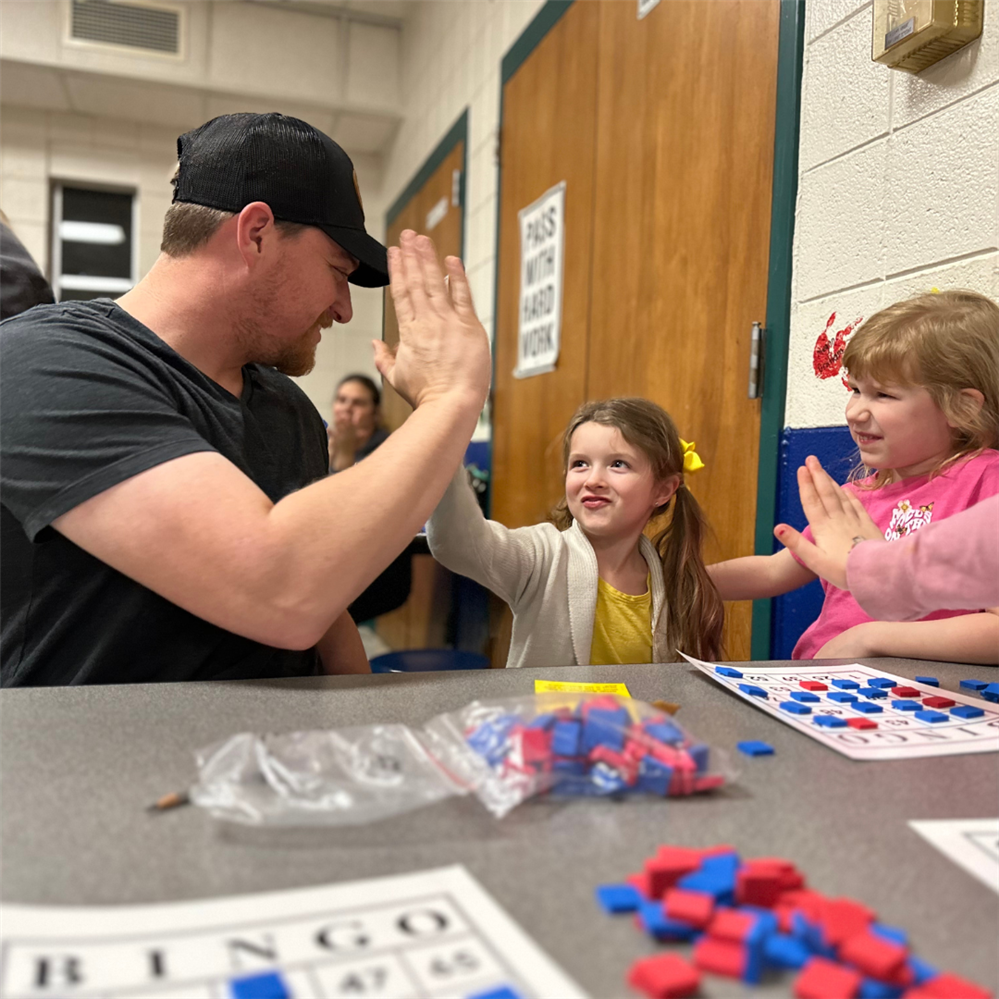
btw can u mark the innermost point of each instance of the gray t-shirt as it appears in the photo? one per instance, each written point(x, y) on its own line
point(91, 397)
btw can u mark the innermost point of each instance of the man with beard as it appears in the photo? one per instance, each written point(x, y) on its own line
point(159, 520)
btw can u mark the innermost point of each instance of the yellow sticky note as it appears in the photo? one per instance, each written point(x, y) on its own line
point(557, 686)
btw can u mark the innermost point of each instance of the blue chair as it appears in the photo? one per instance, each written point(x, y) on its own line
point(427, 661)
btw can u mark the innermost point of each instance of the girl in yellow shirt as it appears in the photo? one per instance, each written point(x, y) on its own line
point(591, 587)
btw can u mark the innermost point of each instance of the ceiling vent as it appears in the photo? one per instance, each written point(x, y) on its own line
point(149, 27)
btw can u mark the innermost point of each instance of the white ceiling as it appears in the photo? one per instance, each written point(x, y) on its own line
point(178, 107)
point(380, 10)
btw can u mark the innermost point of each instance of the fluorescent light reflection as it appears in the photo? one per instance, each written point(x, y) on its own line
point(103, 233)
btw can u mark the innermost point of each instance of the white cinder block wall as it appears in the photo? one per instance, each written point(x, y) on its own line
point(898, 187)
point(39, 147)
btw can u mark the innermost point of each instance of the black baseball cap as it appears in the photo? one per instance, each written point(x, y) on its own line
point(302, 174)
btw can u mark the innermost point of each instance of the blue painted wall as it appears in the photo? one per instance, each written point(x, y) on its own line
point(833, 446)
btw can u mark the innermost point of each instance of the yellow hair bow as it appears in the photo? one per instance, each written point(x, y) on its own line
point(691, 459)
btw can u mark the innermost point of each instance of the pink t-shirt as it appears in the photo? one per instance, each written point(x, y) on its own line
point(900, 509)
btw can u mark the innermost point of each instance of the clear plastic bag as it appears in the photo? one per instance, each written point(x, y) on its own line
point(504, 750)
point(334, 777)
point(510, 749)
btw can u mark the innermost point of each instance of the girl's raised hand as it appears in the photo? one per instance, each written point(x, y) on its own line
point(838, 521)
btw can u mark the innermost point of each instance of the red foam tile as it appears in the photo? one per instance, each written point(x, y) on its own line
point(694, 907)
point(720, 957)
point(905, 692)
point(842, 918)
point(861, 723)
point(535, 745)
point(873, 955)
point(947, 986)
point(730, 924)
point(939, 702)
point(639, 881)
point(758, 886)
point(822, 979)
point(668, 866)
point(814, 685)
point(664, 976)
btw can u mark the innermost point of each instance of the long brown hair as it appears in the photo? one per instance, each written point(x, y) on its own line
point(944, 342)
point(694, 610)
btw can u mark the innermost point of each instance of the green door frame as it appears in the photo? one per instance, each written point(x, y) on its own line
point(458, 132)
point(790, 48)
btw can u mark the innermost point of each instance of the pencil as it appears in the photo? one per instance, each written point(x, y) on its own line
point(173, 800)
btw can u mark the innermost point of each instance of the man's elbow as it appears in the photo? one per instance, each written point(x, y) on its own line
point(295, 625)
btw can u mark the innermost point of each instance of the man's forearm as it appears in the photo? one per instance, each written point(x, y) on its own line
point(326, 542)
point(341, 649)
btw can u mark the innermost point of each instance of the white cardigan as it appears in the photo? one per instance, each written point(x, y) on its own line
point(547, 576)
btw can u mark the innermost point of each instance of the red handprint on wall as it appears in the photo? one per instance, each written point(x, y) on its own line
point(827, 358)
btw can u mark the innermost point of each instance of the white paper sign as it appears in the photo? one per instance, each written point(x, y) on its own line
point(542, 246)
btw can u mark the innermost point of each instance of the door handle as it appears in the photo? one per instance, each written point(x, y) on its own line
point(756, 361)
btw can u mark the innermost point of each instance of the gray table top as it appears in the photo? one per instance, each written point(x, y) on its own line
point(78, 765)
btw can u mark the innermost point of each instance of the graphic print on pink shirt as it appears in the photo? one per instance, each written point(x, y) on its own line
point(906, 518)
point(898, 510)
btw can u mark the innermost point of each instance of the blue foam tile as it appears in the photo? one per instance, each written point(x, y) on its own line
point(991, 691)
point(721, 889)
point(930, 681)
point(565, 738)
point(726, 864)
point(653, 777)
point(796, 707)
point(503, 992)
point(841, 697)
point(967, 711)
point(728, 671)
point(753, 690)
point(753, 747)
point(656, 923)
point(618, 898)
point(866, 708)
point(830, 721)
point(933, 717)
point(973, 684)
point(881, 681)
point(893, 933)
point(603, 727)
point(700, 753)
point(906, 705)
point(845, 684)
point(805, 696)
point(871, 988)
point(873, 693)
point(266, 986)
point(922, 970)
point(785, 951)
point(544, 721)
point(664, 731)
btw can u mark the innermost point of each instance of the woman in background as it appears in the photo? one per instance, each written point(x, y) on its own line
point(356, 429)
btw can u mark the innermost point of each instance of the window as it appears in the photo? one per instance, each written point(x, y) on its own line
point(93, 245)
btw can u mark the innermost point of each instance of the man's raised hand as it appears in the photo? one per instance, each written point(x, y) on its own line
point(443, 348)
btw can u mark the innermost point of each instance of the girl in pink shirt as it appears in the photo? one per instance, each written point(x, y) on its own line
point(924, 412)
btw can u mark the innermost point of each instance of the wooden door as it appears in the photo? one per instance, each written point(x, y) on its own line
point(549, 127)
point(674, 268)
point(436, 195)
point(433, 210)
